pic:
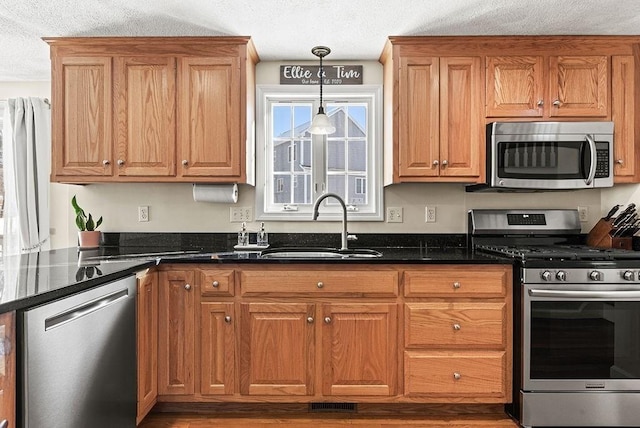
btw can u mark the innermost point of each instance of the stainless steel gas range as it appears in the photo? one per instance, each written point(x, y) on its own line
point(576, 319)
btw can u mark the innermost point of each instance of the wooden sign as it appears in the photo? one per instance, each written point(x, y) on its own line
point(310, 75)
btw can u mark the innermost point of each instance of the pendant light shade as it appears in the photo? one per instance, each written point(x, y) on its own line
point(321, 124)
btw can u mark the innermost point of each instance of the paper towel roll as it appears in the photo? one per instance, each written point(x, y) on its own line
point(226, 193)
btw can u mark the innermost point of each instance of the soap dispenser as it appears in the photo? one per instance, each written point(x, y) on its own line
point(263, 238)
point(243, 236)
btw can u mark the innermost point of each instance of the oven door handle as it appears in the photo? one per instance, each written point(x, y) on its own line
point(594, 160)
point(586, 294)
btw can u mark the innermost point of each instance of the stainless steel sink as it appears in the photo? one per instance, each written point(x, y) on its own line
point(318, 253)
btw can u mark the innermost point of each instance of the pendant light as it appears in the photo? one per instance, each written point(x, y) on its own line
point(321, 124)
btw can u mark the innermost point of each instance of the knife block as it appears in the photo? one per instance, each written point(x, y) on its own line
point(599, 237)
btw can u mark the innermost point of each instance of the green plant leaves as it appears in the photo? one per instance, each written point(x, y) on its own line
point(84, 222)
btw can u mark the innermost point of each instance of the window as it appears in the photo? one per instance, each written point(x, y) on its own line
point(294, 167)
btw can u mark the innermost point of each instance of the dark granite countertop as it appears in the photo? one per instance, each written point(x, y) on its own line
point(49, 275)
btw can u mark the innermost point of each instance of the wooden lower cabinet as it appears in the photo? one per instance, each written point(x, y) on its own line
point(147, 342)
point(8, 369)
point(357, 333)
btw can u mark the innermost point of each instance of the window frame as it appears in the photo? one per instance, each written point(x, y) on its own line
point(266, 96)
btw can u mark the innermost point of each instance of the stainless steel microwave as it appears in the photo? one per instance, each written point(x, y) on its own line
point(549, 155)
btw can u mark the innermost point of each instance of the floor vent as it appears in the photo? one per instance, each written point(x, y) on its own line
point(333, 407)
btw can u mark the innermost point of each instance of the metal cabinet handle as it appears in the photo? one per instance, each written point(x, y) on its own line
point(327, 320)
point(310, 320)
point(540, 103)
point(456, 285)
point(456, 375)
point(227, 319)
point(120, 162)
point(619, 161)
point(187, 287)
point(556, 103)
point(456, 327)
point(185, 162)
point(445, 163)
point(436, 163)
point(320, 284)
point(215, 284)
point(106, 162)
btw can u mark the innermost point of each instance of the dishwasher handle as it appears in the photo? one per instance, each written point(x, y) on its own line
point(84, 309)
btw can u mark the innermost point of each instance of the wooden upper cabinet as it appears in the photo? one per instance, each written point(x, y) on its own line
point(172, 109)
point(440, 127)
point(575, 86)
point(626, 158)
point(145, 95)
point(209, 111)
point(81, 116)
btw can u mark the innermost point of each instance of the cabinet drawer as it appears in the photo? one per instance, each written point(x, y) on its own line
point(319, 280)
point(461, 281)
point(474, 374)
point(214, 282)
point(455, 324)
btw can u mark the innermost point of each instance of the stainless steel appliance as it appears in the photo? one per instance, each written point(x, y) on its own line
point(78, 363)
point(576, 319)
point(548, 156)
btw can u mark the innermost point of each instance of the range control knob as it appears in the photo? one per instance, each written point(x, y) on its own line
point(561, 275)
point(628, 275)
point(546, 275)
point(595, 275)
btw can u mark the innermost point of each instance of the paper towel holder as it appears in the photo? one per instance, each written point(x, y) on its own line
point(221, 193)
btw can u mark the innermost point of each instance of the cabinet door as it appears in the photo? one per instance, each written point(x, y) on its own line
point(8, 369)
point(359, 349)
point(147, 342)
point(418, 118)
point(461, 121)
point(626, 157)
point(515, 86)
point(277, 349)
point(209, 117)
point(579, 86)
point(176, 340)
point(145, 116)
point(81, 116)
point(217, 348)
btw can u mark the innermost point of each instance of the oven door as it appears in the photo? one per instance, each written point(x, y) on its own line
point(579, 337)
point(551, 162)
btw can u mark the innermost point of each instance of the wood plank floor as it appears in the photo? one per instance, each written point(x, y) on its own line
point(449, 418)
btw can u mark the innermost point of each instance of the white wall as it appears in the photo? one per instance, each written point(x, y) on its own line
point(172, 208)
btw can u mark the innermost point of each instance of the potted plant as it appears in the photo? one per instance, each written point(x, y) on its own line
point(88, 236)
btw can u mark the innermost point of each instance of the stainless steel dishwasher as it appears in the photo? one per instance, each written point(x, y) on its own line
point(79, 360)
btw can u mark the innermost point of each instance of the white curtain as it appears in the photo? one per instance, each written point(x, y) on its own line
point(26, 141)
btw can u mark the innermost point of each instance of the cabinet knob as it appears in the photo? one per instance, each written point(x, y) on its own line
point(456, 327)
point(436, 163)
point(227, 319)
point(310, 320)
point(540, 103)
point(456, 285)
point(327, 320)
point(215, 284)
point(187, 287)
point(619, 161)
point(556, 103)
point(106, 162)
point(320, 284)
point(185, 162)
point(445, 163)
point(120, 162)
point(456, 375)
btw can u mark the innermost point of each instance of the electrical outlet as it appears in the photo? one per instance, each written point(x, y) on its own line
point(583, 213)
point(430, 214)
point(240, 214)
point(394, 215)
point(143, 213)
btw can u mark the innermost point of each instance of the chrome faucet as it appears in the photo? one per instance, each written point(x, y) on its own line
point(344, 215)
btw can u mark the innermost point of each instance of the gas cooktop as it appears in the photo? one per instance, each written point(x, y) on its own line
point(559, 252)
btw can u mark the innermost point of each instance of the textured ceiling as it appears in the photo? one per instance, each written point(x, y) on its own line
point(288, 29)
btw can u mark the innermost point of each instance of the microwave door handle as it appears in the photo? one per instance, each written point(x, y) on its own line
point(592, 165)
